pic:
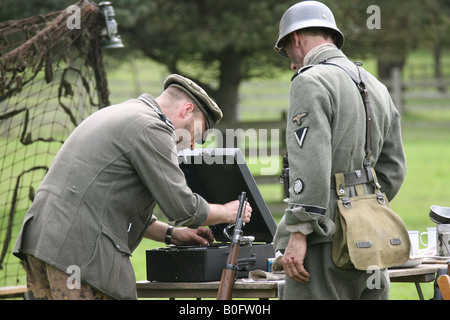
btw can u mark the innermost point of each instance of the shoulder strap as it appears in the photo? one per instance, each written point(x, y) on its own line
point(361, 83)
point(301, 70)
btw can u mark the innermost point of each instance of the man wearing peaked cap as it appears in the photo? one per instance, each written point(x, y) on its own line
point(96, 202)
point(209, 108)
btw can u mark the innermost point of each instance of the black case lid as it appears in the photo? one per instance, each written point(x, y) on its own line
point(220, 176)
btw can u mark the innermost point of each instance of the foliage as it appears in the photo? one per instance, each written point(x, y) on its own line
point(229, 41)
point(172, 31)
point(404, 26)
point(21, 9)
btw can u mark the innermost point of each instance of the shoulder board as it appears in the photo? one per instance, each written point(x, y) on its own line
point(161, 115)
point(301, 70)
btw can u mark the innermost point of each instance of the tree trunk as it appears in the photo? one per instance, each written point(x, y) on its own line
point(229, 81)
point(437, 54)
point(385, 66)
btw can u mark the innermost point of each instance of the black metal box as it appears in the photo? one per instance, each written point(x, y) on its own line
point(219, 176)
point(197, 264)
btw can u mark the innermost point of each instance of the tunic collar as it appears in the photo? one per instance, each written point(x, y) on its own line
point(319, 54)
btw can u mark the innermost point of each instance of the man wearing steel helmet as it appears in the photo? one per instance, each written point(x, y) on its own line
point(96, 202)
point(326, 135)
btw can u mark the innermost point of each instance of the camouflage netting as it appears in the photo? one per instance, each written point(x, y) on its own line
point(52, 77)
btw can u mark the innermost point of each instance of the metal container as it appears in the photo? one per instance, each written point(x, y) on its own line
point(440, 214)
point(219, 176)
point(443, 240)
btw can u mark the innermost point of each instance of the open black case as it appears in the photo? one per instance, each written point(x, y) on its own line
point(219, 176)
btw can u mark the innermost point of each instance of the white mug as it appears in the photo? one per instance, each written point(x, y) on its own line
point(414, 238)
point(431, 237)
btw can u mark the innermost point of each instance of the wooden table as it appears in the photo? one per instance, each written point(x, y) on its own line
point(266, 289)
point(13, 292)
point(422, 273)
point(241, 289)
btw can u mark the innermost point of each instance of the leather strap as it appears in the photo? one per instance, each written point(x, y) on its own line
point(361, 84)
point(168, 238)
point(358, 177)
point(369, 174)
point(353, 178)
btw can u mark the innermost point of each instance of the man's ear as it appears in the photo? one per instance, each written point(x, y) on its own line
point(295, 39)
point(187, 110)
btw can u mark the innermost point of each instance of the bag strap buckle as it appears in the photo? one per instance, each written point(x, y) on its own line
point(347, 203)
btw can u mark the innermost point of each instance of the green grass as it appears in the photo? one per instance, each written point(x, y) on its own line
point(426, 143)
point(426, 134)
point(426, 137)
point(427, 152)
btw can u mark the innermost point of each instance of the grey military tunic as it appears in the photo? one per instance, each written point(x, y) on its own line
point(326, 135)
point(95, 203)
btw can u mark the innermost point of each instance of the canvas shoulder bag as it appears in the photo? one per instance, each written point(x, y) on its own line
point(369, 234)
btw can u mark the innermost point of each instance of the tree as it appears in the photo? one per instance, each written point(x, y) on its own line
point(21, 9)
point(232, 40)
point(220, 42)
point(436, 22)
point(404, 26)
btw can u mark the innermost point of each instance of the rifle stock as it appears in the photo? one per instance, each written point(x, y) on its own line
point(229, 271)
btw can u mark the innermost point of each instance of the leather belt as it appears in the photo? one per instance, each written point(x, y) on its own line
point(353, 178)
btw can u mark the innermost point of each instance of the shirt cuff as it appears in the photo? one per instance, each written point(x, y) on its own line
point(200, 216)
point(300, 219)
point(304, 228)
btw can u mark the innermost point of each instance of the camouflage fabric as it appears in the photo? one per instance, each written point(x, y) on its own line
point(46, 282)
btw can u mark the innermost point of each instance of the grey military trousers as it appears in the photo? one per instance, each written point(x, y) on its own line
point(328, 282)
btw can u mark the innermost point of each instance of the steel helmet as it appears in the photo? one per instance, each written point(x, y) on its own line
point(307, 14)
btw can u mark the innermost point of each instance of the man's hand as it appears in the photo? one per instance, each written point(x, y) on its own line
point(226, 213)
point(293, 258)
point(180, 236)
point(187, 236)
point(232, 208)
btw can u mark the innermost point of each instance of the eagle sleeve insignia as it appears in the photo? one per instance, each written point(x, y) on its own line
point(298, 118)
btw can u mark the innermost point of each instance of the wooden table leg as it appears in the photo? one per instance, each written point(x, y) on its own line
point(419, 290)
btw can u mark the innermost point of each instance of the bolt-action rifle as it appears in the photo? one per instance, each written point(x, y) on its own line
point(229, 272)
